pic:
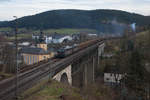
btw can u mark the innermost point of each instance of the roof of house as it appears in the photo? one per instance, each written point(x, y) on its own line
point(57, 36)
point(30, 50)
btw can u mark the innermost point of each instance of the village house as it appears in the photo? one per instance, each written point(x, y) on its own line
point(48, 39)
point(35, 36)
point(112, 78)
point(54, 38)
point(33, 55)
point(61, 38)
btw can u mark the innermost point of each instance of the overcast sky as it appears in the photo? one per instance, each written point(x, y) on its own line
point(10, 8)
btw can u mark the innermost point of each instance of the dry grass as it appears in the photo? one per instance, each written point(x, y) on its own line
point(5, 75)
point(53, 91)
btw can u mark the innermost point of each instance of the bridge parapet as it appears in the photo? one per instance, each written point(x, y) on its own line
point(101, 49)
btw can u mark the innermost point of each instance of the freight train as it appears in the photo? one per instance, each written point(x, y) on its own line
point(63, 52)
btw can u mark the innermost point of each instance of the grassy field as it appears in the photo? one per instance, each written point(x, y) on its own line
point(66, 31)
point(21, 36)
point(7, 29)
point(49, 31)
point(143, 39)
point(24, 33)
point(52, 91)
point(5, 75)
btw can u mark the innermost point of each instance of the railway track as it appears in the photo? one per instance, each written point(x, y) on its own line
point(7, 87)
point(29, 67)
point(31, 77)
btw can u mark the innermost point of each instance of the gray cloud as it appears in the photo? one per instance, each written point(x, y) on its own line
point(29, 7)
point(5, 0)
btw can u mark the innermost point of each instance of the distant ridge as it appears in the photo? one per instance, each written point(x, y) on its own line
point(110, 21)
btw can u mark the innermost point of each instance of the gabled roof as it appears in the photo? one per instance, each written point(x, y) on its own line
point(57, 36)
point(30, 50)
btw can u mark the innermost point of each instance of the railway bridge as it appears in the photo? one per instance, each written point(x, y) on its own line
point(81, 70)
point(77, 69)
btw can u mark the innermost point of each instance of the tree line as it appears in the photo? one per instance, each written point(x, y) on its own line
point(107, 21)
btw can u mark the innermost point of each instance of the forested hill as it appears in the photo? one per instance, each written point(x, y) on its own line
point(103, 20)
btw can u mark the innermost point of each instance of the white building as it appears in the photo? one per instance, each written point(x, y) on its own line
point(107, 55)
point(35, 36)
point(24, 44)
point(95, 35)
point(60, 39)
point(48, 39)
point(55, 38)
point(112, 78)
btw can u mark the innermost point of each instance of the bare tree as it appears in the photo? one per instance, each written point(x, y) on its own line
point(8, 57)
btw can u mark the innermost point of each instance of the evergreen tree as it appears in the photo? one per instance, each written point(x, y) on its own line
point(136, 73)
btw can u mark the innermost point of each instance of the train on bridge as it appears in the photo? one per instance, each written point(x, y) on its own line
point(66, 51)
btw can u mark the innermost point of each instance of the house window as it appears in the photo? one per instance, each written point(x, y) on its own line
point(30, 60)
point(37, 58)
point(44, 57)
point(27, 59)
point(107, 79)
point(33, 60)
point(111, 74)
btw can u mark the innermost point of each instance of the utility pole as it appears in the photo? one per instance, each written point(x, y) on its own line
point(17, 67)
